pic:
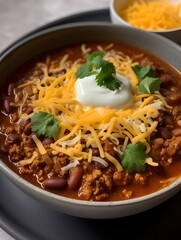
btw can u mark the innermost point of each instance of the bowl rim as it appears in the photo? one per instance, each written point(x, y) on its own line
point(15, 178)
point(33, 34)
point(119, 18)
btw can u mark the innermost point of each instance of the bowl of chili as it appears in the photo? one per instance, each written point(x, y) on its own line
point(108, 156)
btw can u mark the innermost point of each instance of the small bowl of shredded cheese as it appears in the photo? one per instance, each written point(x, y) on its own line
point(157, 16)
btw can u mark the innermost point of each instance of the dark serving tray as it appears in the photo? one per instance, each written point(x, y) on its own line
point(27, 219)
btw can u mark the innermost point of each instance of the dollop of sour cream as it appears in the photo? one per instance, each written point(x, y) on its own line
point(88, 93)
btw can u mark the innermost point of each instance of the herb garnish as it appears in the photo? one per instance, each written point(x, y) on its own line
point(133, 158)
point(44, 124)
point(105, 77)
point(149, 83)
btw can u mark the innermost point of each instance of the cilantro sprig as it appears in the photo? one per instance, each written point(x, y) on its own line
point(149, 83)
point(43, 123)
point(133, 158)
point(105, 77)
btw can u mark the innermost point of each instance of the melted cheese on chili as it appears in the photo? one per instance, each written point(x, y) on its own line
point(82, 126)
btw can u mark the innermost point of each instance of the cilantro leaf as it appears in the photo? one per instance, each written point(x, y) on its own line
point(94, 55)
point(133, 159)
point(92, 59)
point(143, 71)
point(105, 77)
point(84, 70)
point(149, 85)
point(148, 82)
point(44, 124)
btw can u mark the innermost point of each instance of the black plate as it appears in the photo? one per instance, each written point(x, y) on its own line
point(27, 219)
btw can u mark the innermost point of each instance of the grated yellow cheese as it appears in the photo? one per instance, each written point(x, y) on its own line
point(39, 145)
point(152, 15)
point(28, 161)
point(97, 140)
point(114, 161)
point(81, 126)
point(146, 134)
point(149, 160)
point(72, 152)
point(26, 84)
point(90, 155)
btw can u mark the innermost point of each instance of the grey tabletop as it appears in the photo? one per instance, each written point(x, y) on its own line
point(18, 17)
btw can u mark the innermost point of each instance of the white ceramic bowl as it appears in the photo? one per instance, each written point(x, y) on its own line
point(60, 36)
point(116, 5)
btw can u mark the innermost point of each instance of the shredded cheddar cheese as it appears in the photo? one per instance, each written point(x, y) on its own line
point(39, 145)
point(82, 126)
point(114, 161)
point(152, 15)
point(150, 162)
point(28, 161)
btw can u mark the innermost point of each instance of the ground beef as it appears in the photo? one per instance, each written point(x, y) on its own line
point(95, 186)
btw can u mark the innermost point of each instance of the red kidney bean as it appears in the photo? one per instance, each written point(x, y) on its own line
point(165, 133)
point(13, 138)
point(7, 105)
point(27, 129)
point(75, 178)
point(62, 71)
point(47, 141)
point(99, 165)
point(11, 88)
point(55, 183)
